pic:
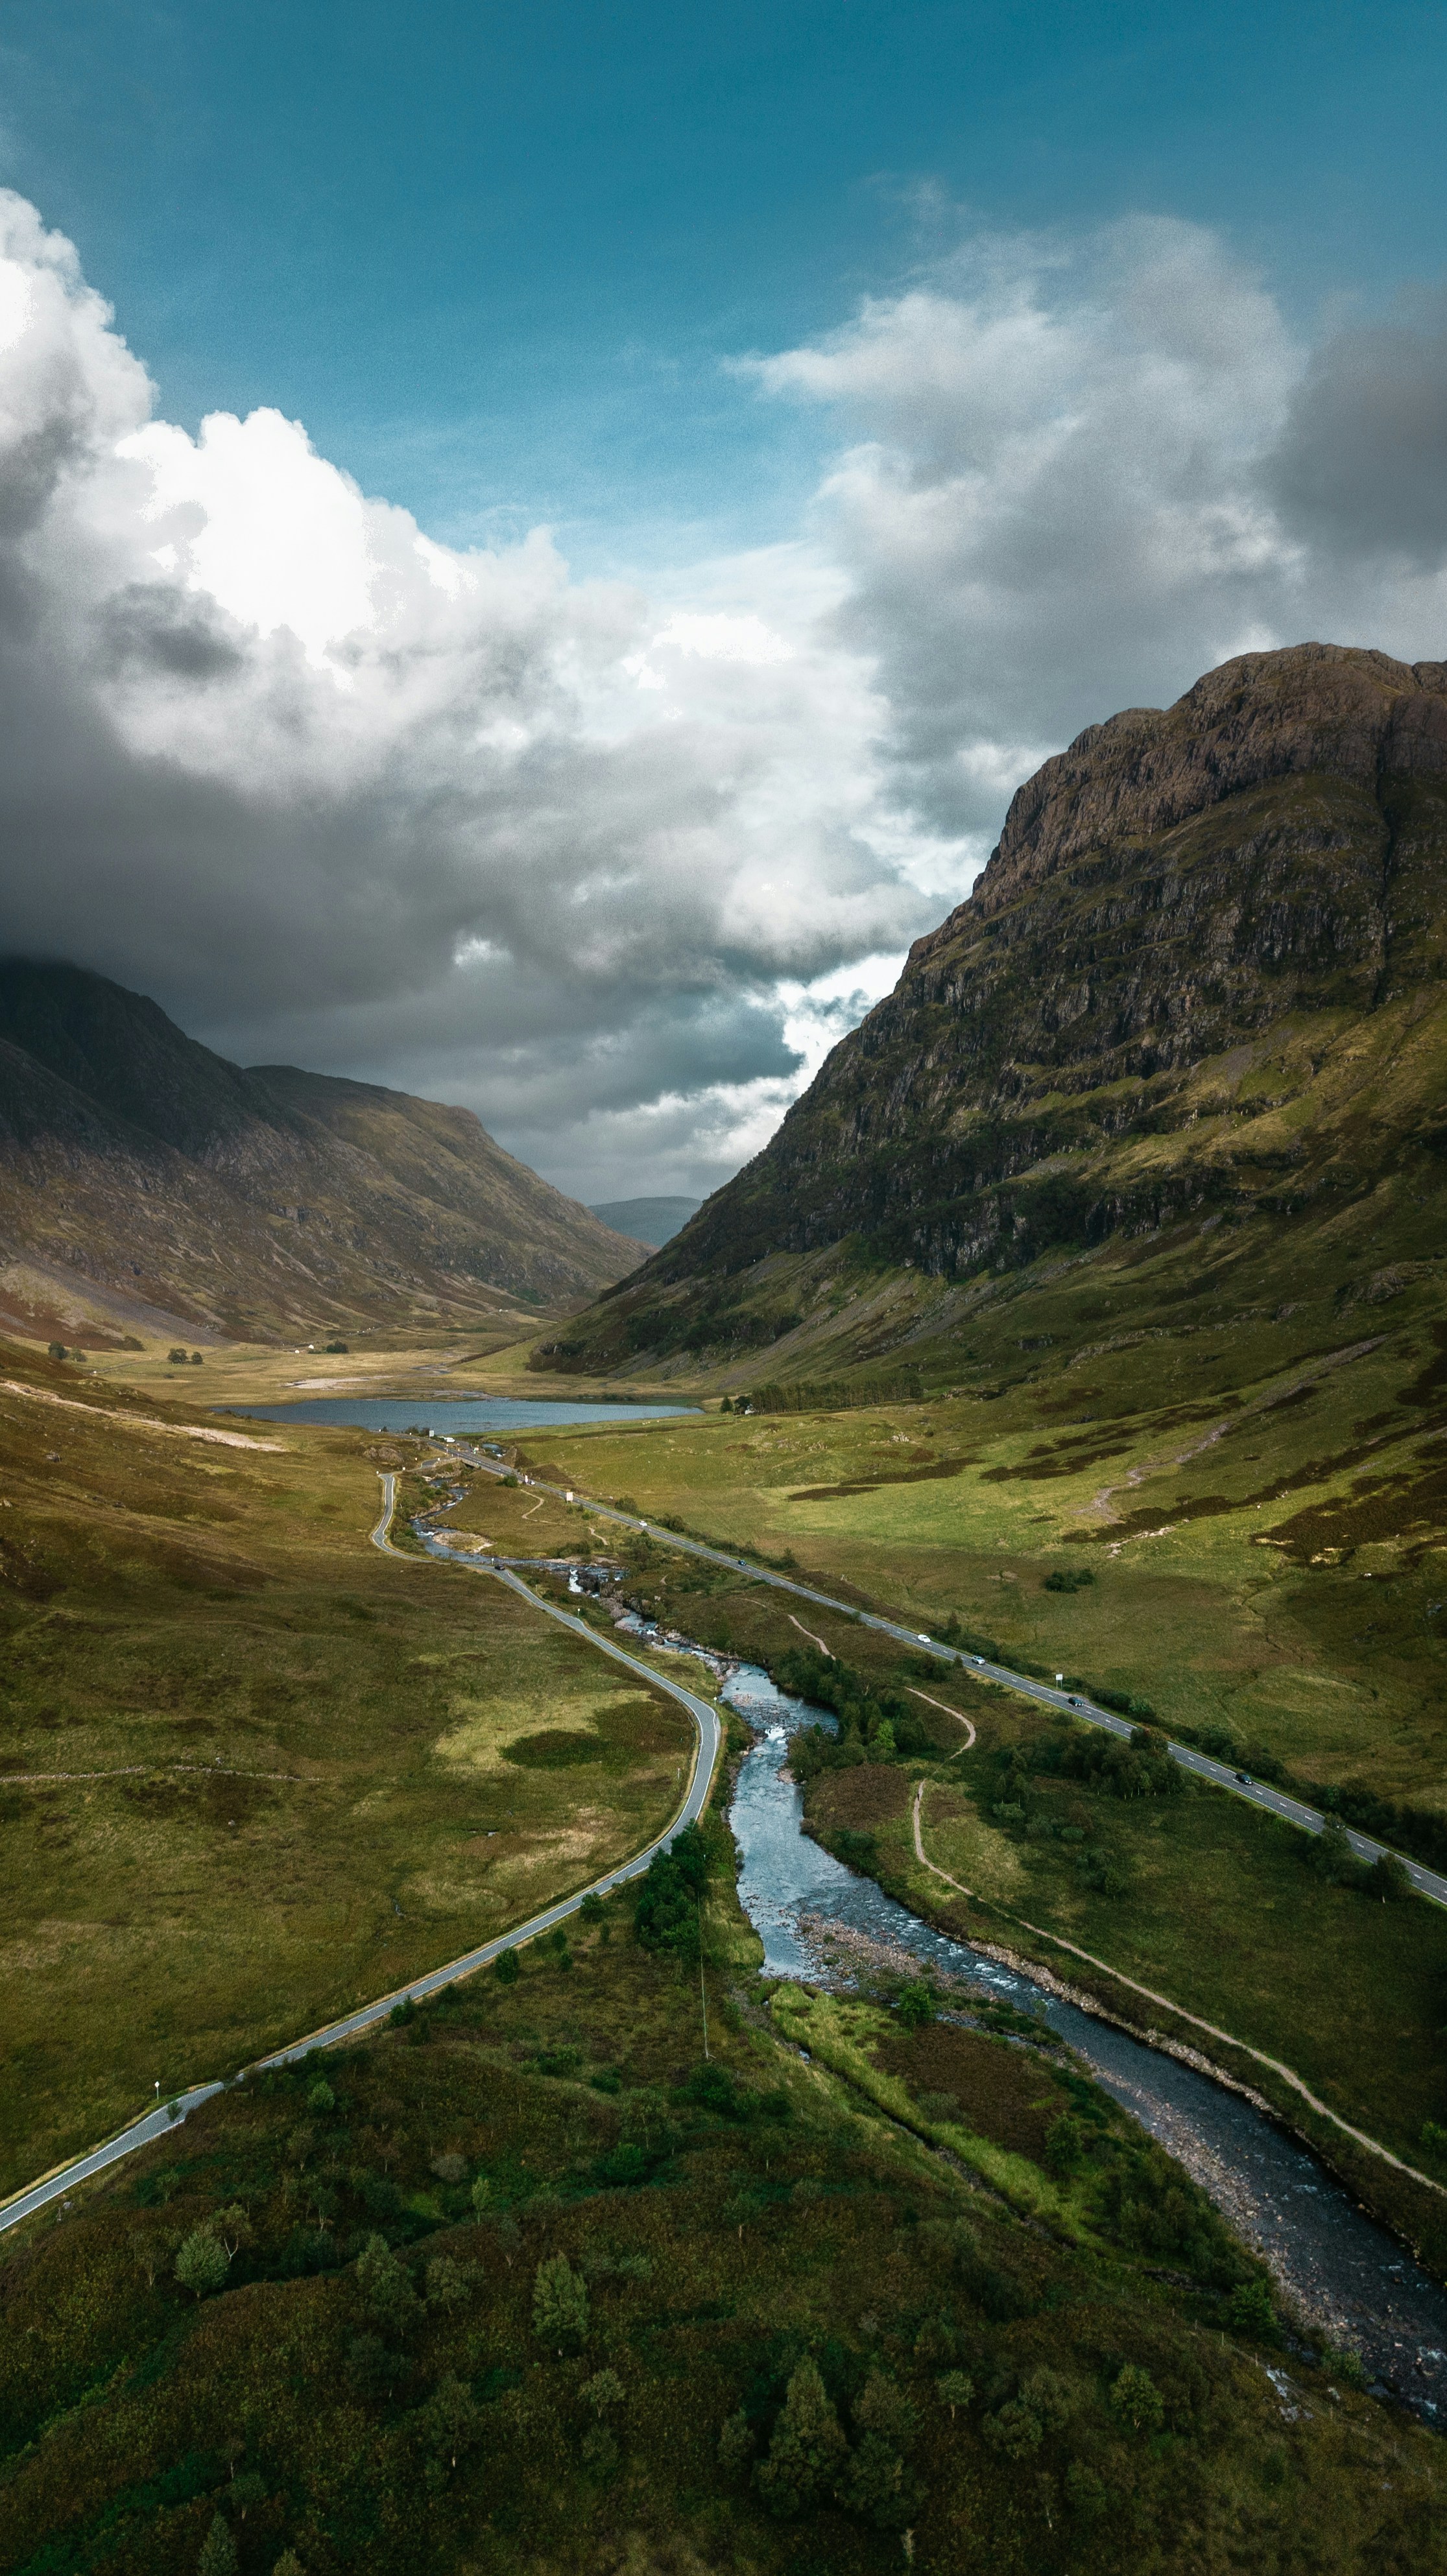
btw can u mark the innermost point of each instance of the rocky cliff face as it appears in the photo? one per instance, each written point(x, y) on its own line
point(1080, 1049)
point(264, 1200)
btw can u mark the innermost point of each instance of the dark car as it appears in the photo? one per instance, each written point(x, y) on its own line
point(1245, 1779)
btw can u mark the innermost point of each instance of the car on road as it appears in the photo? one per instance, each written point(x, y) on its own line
point(1245, 1779)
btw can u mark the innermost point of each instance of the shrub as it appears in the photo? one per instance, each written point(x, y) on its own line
point(560, 2303)
point(1434, 2138)
point(1064, 2143)
point(1136, 2400)
point(1251, 2311)
point(914, 2004)
point(507, 1969)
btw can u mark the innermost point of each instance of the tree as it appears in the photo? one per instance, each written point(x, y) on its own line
point(448, 2283)
point(560, 2303)
point(451, 2420)
point(1387, 1878)
point(875, 2483)
point(320, 2097)
point(218, 2550)
point(1331, 1854)
point(736, 2444)
point(1137, 2401)
point(1014, 2429)
point(202, 2263)
point(1049, 2396)
point(954, 2388)
point(386, 2284)
point(808, 2450)
point(506, 1968)
point(57, 1350)
point(176, 1359)
point(605, 2388)
point(481, 2196)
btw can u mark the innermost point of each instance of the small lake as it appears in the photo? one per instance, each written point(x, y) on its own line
point(469, 1416)
point(820, 1921)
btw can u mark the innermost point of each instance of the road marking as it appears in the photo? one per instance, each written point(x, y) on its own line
point(1276, 2064)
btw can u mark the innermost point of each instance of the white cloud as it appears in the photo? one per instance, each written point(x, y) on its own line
point(338, 791)
point(1083, 472)
point(618, 866)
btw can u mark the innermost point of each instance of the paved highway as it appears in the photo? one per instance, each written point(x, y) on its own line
point(155, 2124)
point(1428, 1882)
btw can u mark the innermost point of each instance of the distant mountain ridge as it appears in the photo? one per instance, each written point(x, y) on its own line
point(652, 1221)
point(1202, 973)
point(263, 1200)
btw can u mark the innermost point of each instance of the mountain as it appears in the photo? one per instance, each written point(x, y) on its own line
point(1199, 983)
point(263, 1201)
point(653, 1221)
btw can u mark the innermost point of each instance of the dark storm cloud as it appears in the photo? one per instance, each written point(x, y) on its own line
point(610, 871)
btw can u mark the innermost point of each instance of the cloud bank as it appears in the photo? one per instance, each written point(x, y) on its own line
point(616, 869)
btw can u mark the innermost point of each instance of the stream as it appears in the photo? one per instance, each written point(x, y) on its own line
point(822, 1923)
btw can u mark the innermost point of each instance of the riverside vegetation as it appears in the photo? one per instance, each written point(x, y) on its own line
point(1236, 1917)
point(529, 2282)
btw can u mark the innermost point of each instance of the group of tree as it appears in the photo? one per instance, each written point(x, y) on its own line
point(874, 1724)
point(667, 1913)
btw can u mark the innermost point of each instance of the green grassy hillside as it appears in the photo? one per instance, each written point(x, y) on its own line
point(252, 1771)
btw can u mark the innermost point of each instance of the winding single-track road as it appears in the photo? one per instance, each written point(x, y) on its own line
point(65, 2179)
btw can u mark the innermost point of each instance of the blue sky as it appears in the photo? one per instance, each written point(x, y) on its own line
point(493, 256)
point(621, 497)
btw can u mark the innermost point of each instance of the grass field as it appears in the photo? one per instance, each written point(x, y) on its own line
point(1287, 1581)
point(527, 2285)
point(251, 1770)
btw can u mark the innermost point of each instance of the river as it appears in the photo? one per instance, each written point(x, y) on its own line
point(818, 1920)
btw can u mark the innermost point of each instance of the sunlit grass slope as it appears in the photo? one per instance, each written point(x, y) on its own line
point(253, 1770)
